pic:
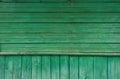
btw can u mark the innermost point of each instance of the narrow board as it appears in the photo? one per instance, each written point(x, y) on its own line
point(56, 1)
point(59, 17)
point(60, 7)
point(59, 33)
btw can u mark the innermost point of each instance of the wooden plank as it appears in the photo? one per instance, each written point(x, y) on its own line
point(32, 1)
point(68, 38)
point(6, 1)
point(2, 67)
point(17, 67)
point(64, 67)
point(59, 17)
point(46, 74)
point(55, 1)
point(59, 38)
point(113, 67)
point(59, 33)
point(59, 48)
point(26, 67)
point(100, 68)
point(74, 67)
point(39, 26)
point(60, 7)
point(57, 28)
point(95, 1)
point(86, 67)
point(55, 15)
point(36, 67)
point(26, 1)
point(55, 67)
point(9, 64)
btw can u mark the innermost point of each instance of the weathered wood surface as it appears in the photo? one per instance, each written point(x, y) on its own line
point(59, 67)
point(58, 1)
point(60, 7)
point(80, 27)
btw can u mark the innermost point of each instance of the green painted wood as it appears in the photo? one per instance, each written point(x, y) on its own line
point(59, 48)
point(26, 67)
point(26, 1)
point(12, 67)
point(32, 1)
point(2, 67)
point(68, 27)
point(9, 65)
point(57, 1)
point(100, 68)
point(74, 67)
point(55, 67)
point(57, 33)
point(59, 17)
point(17, 67)
point(59, 67)
point(88, 37)
point(60, 7)
point(36, 67)
point(19, 1)
point(104, 1)
point(64, 67)
point(113, 67)
point(46, 68)
point(86, 67)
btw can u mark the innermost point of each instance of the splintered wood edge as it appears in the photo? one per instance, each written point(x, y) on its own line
point(51, 53)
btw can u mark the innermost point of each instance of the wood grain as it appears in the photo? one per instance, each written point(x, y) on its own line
point(64, 67)
point(89, 27)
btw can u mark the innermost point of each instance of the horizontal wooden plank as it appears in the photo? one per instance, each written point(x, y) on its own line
point(60, 48)
point(52, 28)
point(59, 33)
point(16, 1)
point(60, 38)
point(59, 17)
point(33, 1)
point(94, 1)
point(57, 1)
point(60, 7)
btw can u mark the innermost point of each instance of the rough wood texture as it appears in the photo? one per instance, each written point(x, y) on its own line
point(80, 27)
point(57, 1)
point(64, 67)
